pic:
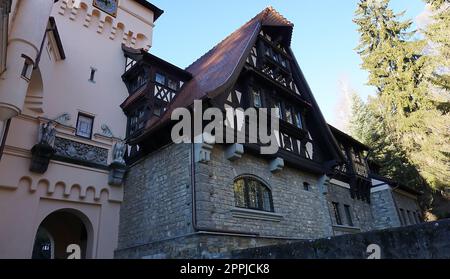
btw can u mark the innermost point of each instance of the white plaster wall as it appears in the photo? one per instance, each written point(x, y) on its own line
point(90, 39)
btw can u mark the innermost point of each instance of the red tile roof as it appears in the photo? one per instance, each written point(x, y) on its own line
point(217, 69)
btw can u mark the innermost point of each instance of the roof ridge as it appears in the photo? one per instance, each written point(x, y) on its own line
point(278, 14)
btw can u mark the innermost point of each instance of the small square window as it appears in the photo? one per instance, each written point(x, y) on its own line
point(257, 98)
point(161, 79)
point(27, 69)
point(92, 75)
point(84, 126)
point(306, 186)
point(173, 84)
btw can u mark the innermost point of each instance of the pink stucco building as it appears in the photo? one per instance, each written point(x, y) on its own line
point(62, 63)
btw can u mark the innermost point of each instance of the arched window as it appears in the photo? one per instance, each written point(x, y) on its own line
point(253, 194)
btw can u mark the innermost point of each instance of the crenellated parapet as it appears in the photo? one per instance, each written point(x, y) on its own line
point(133, 30)
point(68, 190)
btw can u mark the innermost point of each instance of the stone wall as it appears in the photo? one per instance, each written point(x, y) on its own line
point(360, 211)
point(384, 209)
point(298, 213)
point(426, 240)
point(157, 198)
point(407, 204)
point(156, 215)
point(196, 246)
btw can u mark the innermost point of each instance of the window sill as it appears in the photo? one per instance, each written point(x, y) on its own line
point(345, 228)
point(256, 214)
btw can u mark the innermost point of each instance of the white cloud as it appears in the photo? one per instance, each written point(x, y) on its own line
point(424, 18)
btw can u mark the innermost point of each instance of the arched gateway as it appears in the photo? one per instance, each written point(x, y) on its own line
point(60, 229)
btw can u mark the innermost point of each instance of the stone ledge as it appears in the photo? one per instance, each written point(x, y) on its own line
point(344, 228)
point(256, 214)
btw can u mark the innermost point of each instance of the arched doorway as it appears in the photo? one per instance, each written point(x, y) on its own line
point(59, 230)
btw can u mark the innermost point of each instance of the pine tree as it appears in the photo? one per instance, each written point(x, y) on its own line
point(409, 130)
point(394, 69)
point(393, 61)
point(362, 123)
point(368, 124)
point(437, 34)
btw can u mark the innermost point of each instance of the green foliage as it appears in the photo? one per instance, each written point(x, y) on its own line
point(393, 61)
point(405, 124)
point(437, 33)
point(372, 125)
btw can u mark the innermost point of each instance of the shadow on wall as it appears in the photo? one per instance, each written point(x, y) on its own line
point(424, 241)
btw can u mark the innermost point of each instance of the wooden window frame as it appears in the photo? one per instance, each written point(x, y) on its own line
point(337, 213)
point(135, 114)
point(253, 90)
point(348, 215)
point(80, 114)
point(260, 195)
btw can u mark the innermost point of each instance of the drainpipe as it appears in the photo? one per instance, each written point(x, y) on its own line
point(38, 57)
point(324, 181)
point(5, 9)
point(3, 136)
point(194, 206)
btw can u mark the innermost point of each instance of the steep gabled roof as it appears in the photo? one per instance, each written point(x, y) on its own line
point(215, 70)
point(220, 67)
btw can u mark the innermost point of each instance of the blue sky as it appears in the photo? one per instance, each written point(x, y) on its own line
point(323, 41)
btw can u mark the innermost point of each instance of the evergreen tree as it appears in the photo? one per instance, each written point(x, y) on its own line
point(368, 124)
point(437, 33)
point(407, 124)
point(394, 64)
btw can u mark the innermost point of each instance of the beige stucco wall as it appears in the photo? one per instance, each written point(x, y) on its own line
point(91, 39)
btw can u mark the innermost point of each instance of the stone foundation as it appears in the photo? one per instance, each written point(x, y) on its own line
point(201, 245)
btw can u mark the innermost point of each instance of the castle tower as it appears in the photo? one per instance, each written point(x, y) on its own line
point(23, 47)
point(61, 166)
